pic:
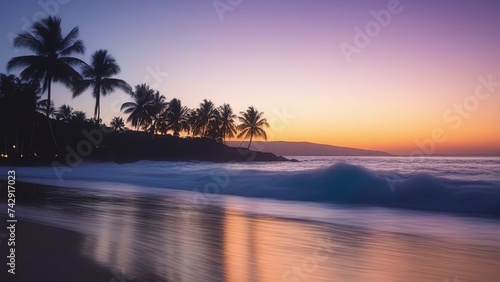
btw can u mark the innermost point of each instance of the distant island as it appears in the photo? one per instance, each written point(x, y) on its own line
point(284, 148)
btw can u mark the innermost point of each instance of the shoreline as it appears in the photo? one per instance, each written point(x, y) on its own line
point(61, 162)
point(149, 238)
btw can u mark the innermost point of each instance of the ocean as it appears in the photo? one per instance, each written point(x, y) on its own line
point(319, 219)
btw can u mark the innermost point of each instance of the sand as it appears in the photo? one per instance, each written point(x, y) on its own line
point(45, 253)
point(160, 237)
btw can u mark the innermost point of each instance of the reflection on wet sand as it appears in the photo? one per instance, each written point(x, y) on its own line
point(149, 239)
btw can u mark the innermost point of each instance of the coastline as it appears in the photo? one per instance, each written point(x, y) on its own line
point(77, 147)
point(86, 142)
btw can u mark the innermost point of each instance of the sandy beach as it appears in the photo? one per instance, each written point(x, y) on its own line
point(141, 237)
point(46, 253)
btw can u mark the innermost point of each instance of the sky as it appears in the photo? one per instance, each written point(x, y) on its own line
point(405, 76)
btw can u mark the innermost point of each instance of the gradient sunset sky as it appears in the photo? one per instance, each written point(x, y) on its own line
point(407, 85)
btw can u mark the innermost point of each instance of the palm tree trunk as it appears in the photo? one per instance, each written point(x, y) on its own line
point(250, 142)
point(153, 129)
point(96, 111)
point(48, 115)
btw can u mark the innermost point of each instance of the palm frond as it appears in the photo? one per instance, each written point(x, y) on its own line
point(69, 39)
point(79, 86)
point(109, 84)
point(128, 105)
point(25, 61)
point(27, 40)
point(72, 61)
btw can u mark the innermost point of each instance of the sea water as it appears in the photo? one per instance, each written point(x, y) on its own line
point(372, 218)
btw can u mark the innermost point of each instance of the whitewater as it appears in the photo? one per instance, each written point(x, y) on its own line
point(378, 218)
point(363, 191)
point(462, 185)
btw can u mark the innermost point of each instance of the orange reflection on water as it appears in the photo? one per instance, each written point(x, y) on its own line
point(152, 240)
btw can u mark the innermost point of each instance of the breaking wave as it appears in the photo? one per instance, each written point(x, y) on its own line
point(340, 183)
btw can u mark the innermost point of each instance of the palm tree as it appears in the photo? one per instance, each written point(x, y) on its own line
point(9, 85)
point(252, 124)
point(139, 109)
point(227, 124)
point(98, 76)
point(204, 115)
point(117, 124)
point(79, 116)
point(214, 128)
point(41, 107)
point(177, 117)
point(155, 107)
point(64, 113)
point(17, 110)
point(192, 120)
point(51, 61)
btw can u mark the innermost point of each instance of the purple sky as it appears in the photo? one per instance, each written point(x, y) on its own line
point(286, 56)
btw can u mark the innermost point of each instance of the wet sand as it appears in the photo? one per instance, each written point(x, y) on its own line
point(45, 253)
point(135, 236)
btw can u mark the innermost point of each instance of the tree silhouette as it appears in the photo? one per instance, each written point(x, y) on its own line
point(227, 123)
point(41, 107)
point(192, 121)
point(214, 128)
point(177, 117)
point(79, 117)
point(205, 113)
point(98, 75)
point(117, 124)
point(252, 124)
point(8, 87)
point(139, 109)
point(17, 111)
point(51, 61)
point(155, 108)
point(64, 113)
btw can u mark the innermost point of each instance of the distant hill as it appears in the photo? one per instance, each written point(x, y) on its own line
point(283, 148)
